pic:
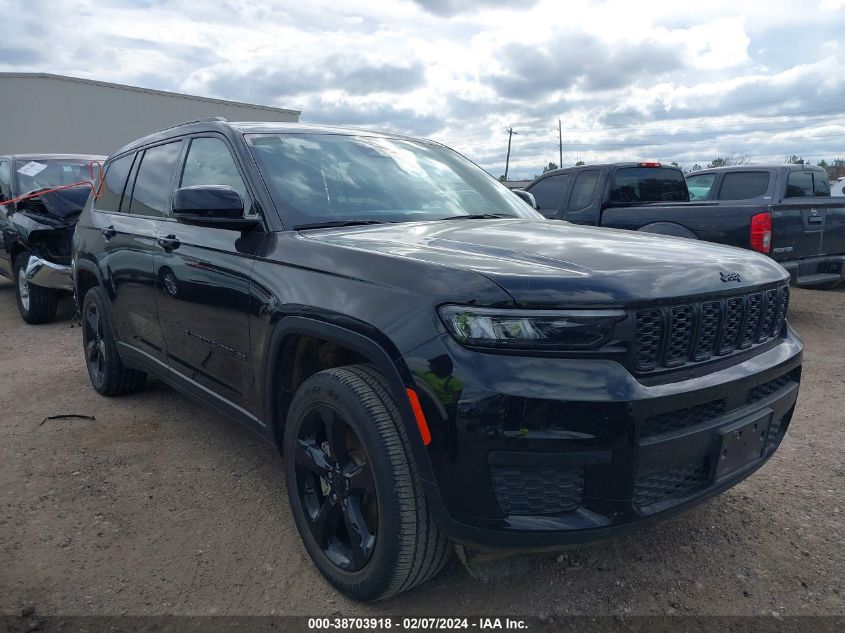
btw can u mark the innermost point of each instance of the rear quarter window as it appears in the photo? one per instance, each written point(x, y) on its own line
point(744, 185)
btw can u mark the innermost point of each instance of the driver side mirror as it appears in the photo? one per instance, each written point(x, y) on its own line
point(214, 206)
point(527, 197)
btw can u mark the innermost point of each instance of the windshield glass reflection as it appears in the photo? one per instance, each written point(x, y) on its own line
point(321, 178)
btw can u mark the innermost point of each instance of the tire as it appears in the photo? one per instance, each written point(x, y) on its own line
point(36, 304)
point(108, 374)
point(407, 548)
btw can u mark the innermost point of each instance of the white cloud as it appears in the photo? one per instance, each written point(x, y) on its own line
point(629, 79)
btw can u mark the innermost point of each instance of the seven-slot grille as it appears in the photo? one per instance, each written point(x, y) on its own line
point(675, 335)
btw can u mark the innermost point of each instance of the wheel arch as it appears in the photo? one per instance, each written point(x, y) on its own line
point(365, 347)
point(86, 275)
point(668, 228)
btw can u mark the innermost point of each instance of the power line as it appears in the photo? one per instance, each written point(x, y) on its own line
point(676, 138)
point(679, 122)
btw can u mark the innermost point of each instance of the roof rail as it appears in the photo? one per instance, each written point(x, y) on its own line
point(207, 119)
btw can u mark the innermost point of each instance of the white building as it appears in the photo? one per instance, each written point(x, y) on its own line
point(42, 113)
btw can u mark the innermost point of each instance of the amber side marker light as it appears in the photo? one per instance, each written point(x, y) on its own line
point(420, 417)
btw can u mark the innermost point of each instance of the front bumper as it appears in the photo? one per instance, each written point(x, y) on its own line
point(532, 452)
point(41, 272)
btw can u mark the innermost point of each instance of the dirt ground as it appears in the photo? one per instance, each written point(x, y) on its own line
point(160, 506)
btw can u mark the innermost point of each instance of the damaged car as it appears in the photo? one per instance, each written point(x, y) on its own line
point(41, 197)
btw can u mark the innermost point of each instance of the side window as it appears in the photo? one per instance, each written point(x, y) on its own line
point(209, 162)
point(115, 182)
point(583, 190)
point(820, 185)
point(549, 192)
point(155, 180)
point(699, 186)
point(799, 184)
point(744, 185)
point(5, 180)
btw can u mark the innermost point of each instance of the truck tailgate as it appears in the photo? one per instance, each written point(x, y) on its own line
point(808, 228)
point(833, 242)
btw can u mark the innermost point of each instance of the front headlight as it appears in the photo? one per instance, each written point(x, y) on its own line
point(530, 329)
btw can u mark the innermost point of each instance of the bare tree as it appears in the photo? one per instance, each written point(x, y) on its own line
point(730, 159)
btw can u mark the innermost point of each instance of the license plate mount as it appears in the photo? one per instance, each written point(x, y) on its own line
point(741, 443)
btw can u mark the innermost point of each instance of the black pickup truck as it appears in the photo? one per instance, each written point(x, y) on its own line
point(776, 210)
point(41, 197)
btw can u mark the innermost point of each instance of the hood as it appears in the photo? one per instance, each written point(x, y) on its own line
point(557, 263)
point(62, 206)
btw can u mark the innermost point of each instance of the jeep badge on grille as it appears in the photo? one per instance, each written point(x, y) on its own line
point(730, 277)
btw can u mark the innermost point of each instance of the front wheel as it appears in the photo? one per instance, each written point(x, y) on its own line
point(354, 489)
point(36, 304)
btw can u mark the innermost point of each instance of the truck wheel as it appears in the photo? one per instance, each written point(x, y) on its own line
point(35, 303)
point(354, 489)
point(106, 370)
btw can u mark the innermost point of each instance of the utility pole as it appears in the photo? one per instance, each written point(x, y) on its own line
point(560, 144)
point(508, 159)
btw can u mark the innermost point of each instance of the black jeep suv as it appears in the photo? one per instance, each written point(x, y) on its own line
point(435, 360)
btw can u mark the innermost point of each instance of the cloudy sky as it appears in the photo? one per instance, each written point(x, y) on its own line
point(629, 80)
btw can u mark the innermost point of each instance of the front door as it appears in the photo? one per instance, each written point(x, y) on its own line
point(203, 284)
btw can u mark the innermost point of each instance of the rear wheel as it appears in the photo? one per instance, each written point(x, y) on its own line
point(106, 370)
point(353, 487)
point(36, 304)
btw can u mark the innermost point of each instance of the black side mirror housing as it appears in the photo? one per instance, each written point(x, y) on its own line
point(214, 206)
point(527, 197)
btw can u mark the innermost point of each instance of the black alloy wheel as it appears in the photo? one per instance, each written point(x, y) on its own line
point(355, 494)
point(335, 485)
point(93, 340)
point(108, 374)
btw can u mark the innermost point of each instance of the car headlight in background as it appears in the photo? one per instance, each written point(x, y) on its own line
point(530, 329)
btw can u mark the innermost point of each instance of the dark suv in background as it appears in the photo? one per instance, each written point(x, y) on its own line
point(435, 360)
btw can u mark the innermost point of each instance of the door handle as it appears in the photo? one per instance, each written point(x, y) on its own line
point(109, 232)
point(168, 243)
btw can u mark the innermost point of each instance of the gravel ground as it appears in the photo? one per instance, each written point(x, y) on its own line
point(161, 506)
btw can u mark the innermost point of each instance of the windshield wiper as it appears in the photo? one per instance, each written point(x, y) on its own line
point(477, 216)
point(332, 223)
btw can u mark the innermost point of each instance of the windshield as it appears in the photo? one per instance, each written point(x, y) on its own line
point(49, 173)
point(648, 184)
point(328, 178)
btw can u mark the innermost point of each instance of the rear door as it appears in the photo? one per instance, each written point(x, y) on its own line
point(128, 216)
point(203, 284)
point(833, 241)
